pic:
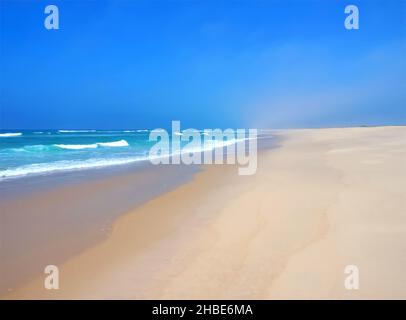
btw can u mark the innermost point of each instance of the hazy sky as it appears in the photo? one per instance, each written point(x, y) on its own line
point(141, 64)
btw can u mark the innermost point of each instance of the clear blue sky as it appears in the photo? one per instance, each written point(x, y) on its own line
point(141, 64)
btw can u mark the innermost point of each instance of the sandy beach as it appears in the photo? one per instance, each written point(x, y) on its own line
point(323, 199)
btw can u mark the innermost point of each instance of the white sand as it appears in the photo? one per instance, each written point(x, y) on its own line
point(325, 199)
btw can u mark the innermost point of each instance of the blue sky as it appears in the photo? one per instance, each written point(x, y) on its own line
point(234, 63)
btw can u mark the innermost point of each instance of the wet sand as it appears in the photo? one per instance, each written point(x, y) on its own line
point(46, 220)
point(324, 199)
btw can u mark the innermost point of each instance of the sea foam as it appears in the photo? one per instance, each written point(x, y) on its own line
point(73, 131)
point(60, 166)
point(7, 135)
point(120, 143)
point(76, 146)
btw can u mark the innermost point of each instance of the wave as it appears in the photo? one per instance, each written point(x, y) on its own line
point(76, 146)
point(65, 165)
point(6, 135)
point(210, 145)
point(120, 143)
point(33, 148)
point(73, 131)
point(55, 147)
point(72, 165)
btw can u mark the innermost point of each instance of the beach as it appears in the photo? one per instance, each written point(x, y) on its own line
point(321, 200)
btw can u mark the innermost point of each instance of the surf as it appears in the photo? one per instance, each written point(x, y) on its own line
point(120, 143)
point(9, 135)
point(65, 165)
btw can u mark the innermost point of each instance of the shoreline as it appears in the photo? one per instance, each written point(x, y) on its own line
point(324, 199)
point(50, 219)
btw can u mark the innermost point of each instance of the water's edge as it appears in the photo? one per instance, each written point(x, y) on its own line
point(48, 219)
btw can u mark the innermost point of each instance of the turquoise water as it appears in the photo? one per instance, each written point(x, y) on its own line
point(33, 152)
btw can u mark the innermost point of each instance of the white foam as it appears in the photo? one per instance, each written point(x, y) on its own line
point(72, 165)
point(121, 143)
point(210, 145)
point(58, 166)
point(71, 131)
point(76, 146)
point(7, 135)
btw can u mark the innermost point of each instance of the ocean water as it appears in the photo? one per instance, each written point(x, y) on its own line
point(39, 152)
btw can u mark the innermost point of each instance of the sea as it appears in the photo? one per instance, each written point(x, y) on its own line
point(40, 152)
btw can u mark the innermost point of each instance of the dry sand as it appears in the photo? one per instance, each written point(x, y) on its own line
point(324, 199)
